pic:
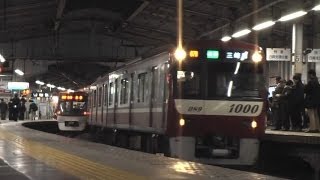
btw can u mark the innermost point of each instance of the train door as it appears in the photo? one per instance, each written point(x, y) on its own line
point(105, 104)
point(164, 94)
point(153, 105)
point(99, 105)
point(115, 107)
point(111, 102)
point(131, 97)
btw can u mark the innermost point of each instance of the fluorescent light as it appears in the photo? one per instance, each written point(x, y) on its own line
point(230, 88)
point(316, 8)
point(19, 72)
point(241, 33)
point(2, 58)
point(237, 68)
point(70, 90)
point(39, 82)
point(61, 88)
point(292, 16)
point(51, 86)
point(225, 38)
point(263, 25)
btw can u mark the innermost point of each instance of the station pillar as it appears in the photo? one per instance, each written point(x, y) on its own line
point(297, 50)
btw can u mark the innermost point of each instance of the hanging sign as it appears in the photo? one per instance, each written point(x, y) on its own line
point(314, 56)
point(278, 54)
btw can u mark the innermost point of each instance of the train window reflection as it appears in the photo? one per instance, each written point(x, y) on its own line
point(189, 83)
point(246, 83)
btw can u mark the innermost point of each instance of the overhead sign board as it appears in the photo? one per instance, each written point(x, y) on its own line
point(314, 56)
point(18, 85)
point(278, 54)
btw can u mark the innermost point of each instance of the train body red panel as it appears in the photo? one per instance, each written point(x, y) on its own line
point(208, 108)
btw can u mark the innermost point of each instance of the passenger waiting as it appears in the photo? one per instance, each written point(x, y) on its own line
point(3, 109)
point(276, 96)
point(296, 103)
point(312, 101)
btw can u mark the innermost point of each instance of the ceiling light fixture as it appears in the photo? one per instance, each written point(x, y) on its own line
point(316, 8)
point(293, 15)
point(19, 72)
point(263, 25)
point(241, 33)
point(39, 82)
point(225, 38)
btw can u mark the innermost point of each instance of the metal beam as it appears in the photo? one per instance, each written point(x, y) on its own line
point(72, 59)
point(60, 9)
point(240, 18)
point(138, 10)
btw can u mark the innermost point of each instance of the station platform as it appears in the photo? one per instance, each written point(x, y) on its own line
point(32, 154)
point(292, 137)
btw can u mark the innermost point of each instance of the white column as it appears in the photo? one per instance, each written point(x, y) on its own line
point(297, 51)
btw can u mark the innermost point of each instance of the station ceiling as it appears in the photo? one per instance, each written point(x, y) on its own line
point(144, 25)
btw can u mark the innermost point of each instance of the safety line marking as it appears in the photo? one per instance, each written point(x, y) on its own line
point(74, 165)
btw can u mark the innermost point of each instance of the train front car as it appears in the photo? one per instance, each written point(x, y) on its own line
point(71, 111)
point(217, 110)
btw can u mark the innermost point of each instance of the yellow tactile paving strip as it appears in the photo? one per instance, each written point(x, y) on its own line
point(74, 165)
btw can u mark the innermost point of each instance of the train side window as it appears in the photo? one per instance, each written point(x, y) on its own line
point(141, 87)
point(94, 98)
point(99, 96)
point(124, 91)
point(111, 93)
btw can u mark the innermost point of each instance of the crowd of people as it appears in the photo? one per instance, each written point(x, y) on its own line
point(295, 106)
point(16, 109)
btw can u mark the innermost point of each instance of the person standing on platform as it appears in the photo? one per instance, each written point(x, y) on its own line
point(276, 103)
point(312, 101)
point(3, 109)
point(296, 103)
point(15, 104)
point(33, 108)
point(22, 110)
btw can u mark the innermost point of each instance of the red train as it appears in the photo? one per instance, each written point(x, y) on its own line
point(210, 107)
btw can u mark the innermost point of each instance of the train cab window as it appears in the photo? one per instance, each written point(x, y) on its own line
point(189, 83)
point(124, 91)
point(234, 80)
point(111, 93)
point(94, 98)
point(141, 87)
point(99, 96)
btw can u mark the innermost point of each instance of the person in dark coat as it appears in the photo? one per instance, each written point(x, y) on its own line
point(312, 101)
point(296, 103)
point(15, 107)
point(3, 109)
point(287, 108)
point(10, 106)
point(276, 103)
point(22, 110)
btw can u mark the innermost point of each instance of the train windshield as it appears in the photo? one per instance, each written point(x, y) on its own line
point(72, 106)
point(234, 79)
point(220, 80)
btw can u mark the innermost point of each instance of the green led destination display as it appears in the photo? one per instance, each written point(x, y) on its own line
point(212, 54)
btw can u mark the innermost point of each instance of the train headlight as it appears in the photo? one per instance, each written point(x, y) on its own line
point(182, 122)
point(256, 57)
point(180, 54)
point(254, 124)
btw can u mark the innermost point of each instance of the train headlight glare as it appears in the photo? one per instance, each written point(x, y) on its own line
point(180, 54)
point(182, 122)
point(254, 124)
point(256, 57)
